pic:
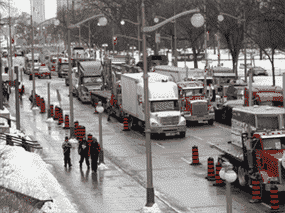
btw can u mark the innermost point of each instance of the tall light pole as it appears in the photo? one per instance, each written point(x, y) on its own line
point(10, 35)
point(175, 38)
point(103, 23)
point(34, 84)
point(150, 190)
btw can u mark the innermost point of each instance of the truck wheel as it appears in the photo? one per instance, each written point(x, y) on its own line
point(211, 122)
point(242, 176)
point(130, 123)
point(182, 134)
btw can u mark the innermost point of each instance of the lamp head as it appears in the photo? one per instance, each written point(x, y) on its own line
point(156, 20)
point(220, 17)
point(122, 22)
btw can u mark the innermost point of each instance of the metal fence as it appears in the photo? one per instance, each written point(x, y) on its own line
point(28, 145)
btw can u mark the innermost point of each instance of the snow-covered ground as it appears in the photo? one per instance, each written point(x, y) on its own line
point(27, 173)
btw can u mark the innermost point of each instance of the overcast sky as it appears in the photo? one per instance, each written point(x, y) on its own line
point(24, 6)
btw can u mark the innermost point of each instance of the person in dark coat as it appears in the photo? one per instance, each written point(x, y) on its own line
point(83, 152)
point(231, 92)
point(66, 146)
point(109, 110)
point(94, 152)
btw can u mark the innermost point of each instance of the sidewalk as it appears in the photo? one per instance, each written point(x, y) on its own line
point(110, 190)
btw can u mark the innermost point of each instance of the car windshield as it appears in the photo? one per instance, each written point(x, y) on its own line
point(87, 80)
point(44, 70)
point(160, 106)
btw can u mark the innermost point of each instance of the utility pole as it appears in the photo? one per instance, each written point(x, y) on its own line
point(205, 44)
point(10, 35)
point(244, 46)
point(17, 99)
point(34, 86)
point(70, 80)
point(175, 39)
point(139, 32)
point(150, 190)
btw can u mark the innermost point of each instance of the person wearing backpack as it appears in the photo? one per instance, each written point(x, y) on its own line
point(83, 152)
point(94, 152)
point(66, 146)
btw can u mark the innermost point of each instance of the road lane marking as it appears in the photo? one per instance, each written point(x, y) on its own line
point(160, 145)
point(197, 137)
point(185, 160)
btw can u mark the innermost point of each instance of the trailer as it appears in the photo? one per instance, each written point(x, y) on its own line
point(256, 147)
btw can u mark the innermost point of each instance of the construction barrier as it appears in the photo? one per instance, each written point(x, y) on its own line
point(43, 106)
point(219, 181)
point(60, 117)
point(76, 124)
point(211, 170)
point(66, 122)
point(56, 113)
point(79, 133)
point(83, 131)
point(38, 100)
point(51, 111)
point(126, 126)
point(256, 190)
point(195, 156)
point(274, 200)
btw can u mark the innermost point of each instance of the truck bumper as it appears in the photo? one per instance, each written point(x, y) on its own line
point(172, 130)
point(281, 187)
point(210, 116)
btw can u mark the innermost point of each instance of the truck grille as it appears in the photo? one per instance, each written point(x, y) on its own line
point(199, 108)
point(174, 120)
point(270, 164)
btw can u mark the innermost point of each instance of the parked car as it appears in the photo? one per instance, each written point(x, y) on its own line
point(74, 70)
point(44, 72)
point(257, 71)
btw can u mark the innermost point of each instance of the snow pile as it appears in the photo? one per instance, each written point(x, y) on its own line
point(22, 172)
point(102, 166)
point(49, 120)
point(73, 141)
point(4, 111)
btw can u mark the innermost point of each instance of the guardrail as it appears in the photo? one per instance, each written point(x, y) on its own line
point(20, 141)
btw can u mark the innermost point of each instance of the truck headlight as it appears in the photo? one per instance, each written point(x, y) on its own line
point(182, 121)
point(154, 124)
point(211, 109)
point(275, 179)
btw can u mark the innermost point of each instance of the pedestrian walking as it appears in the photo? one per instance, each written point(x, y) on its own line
point(66, 146)
point(94, 152)
point(109, 110)
point(83, 152)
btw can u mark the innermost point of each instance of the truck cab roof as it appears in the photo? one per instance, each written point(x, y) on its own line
point(260, 110)
point(265, 88)
point(153, 77)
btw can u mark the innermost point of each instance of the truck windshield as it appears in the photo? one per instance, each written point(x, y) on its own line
point(272, 144)
point(160, 106)
point(87, 80)
point(64, 66)
point(267, 122)
point(192, 92)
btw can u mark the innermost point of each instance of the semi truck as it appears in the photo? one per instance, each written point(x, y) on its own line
point(261, 95)
point(165, 115)
point(194, 105)
point(87, 79)
point(256, 147)
point(124, 96)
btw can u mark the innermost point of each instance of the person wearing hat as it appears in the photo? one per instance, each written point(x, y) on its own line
point(66, 146)
point(83, 152)
point(94, 152)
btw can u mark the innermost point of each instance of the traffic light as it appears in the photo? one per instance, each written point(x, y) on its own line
point(115, 39)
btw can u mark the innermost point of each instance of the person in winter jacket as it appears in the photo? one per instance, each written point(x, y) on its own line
point(83, 152)
point(66, 146)
point(94, 152)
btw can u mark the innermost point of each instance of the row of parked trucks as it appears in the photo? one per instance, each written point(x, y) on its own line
point(257, 132)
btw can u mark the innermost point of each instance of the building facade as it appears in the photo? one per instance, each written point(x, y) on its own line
point(38, 10)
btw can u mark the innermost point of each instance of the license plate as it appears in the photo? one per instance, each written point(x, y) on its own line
point(170, 134)
point(202, 122)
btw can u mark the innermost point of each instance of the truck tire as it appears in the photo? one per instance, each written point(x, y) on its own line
point(130, 122)
point(211, 122)
point(242, 176)
point(182, 134)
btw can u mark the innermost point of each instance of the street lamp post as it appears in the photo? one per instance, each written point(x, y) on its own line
point(100, 110)
point(33, 73)
point(230, 176)
point(103, 22)
point(145, 29)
